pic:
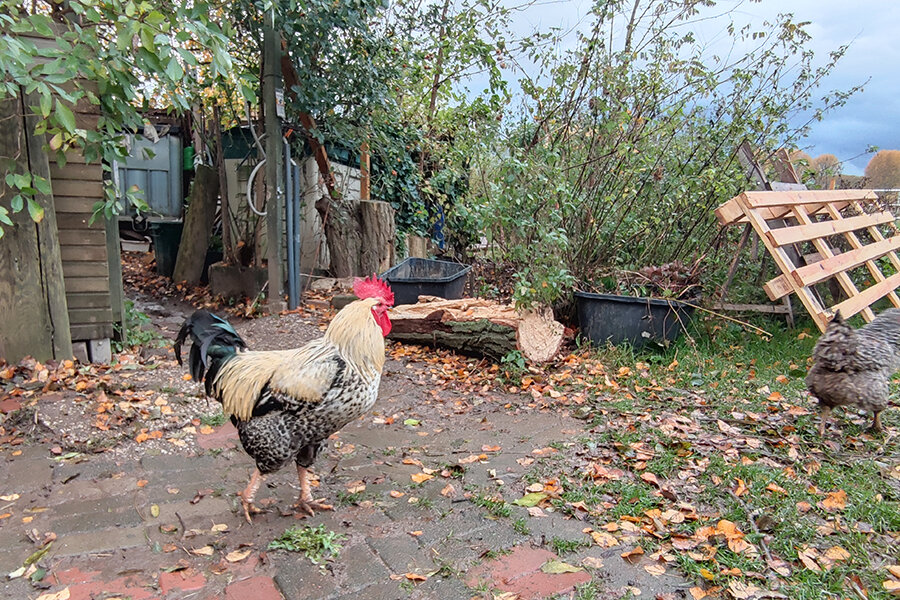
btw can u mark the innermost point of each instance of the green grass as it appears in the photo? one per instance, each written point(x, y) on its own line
point(494, 506)
point(316, 543)
point(740, 401)
point(213, 420)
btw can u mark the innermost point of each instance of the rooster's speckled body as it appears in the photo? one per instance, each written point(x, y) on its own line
point(286, 403)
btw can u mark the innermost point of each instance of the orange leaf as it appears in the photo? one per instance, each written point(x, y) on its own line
point(487, 448)
point(396, 494)
point(141, 438)
point(416, 577)
point(186, 377)
point(633, 554)
point(142, 483)
point(741, 487)
point(834, 501)
point(421, 477)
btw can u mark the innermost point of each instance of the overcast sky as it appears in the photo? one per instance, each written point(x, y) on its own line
point(872, 27)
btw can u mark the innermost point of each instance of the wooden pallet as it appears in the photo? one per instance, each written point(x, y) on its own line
point(787, 220)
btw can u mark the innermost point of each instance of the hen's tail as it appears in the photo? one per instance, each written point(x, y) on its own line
point(215, 341)
point(836, 348)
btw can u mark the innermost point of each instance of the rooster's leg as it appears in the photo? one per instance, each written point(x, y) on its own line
point(305, 504)
point(249, 493)
point(824, 412)
point(876, 422)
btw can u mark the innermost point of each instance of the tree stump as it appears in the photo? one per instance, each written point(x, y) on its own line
point(378, 232)
point(198, 224)
point(477, 326)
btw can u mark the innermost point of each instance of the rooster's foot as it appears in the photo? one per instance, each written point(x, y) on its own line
point(308, 508)
point(249, 509)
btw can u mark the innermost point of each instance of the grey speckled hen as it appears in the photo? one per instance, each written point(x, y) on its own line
point(854, 366)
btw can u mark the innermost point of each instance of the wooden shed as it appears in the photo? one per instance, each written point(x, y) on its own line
point(60, 279)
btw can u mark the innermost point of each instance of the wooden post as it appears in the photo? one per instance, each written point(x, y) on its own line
point(48, 240)
point(364, 166)
point(274, 166)
point(116, 286)
point(26, 328)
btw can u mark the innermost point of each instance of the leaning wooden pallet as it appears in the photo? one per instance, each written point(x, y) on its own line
point(814, 216)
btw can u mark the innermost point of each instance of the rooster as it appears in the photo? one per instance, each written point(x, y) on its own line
point(285, 403)
point(854, 366)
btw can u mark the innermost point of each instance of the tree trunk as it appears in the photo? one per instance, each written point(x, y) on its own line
point(478, 326)
point(378, 232)
point(198, 224)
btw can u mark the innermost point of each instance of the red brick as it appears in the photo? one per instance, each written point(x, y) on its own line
point(544, 585)
point(520, 572)
point(223, 437)
point(75, 575)
point(187, 580)
point(9, 404)
point(129, 587)
point(254, 588)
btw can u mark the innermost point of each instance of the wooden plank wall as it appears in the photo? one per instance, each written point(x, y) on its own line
point(83, 245)
point(76, 188)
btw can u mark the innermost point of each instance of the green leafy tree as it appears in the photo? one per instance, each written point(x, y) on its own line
point(115, 58)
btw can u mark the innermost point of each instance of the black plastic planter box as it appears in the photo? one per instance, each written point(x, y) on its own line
point(415, 277)
point(617, 319)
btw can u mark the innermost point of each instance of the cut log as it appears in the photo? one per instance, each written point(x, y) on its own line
point(198, 224)
point(477, 326)
point(378, 233)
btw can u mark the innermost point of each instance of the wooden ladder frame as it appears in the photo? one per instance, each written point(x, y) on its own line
point(800, 216)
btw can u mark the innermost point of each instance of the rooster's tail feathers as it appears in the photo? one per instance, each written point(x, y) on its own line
point(214, 340)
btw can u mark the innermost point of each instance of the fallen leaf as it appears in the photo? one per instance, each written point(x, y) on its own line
point(396, 494)
point(154, 510)
point(532, 499)
point(219, 528)
point(837, 554)
point(415, 533)
point(698, 593)
point(238, 555)
point(604, 540)
point(557, 566)
point(448, 490)
point(204, 551)
point(834, 501)
point(592, 562)
point(808, 561)
point(421, 477)
point(894, 570)
point(416, 577)
point(356, 487)
point(10, 497)
point(487, 448)
point(63, 594)
point(655, 570)
point(892, 586)
point(411, 422)
point(142, 482)
point(633, 554)
point(743, 591)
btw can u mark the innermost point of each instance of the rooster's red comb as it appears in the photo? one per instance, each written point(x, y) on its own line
point(373, 287)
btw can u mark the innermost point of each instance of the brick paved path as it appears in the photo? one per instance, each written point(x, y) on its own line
point(148, 525)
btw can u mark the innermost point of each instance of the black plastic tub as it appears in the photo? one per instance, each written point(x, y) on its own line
point(616, 319)
point(416, 277)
